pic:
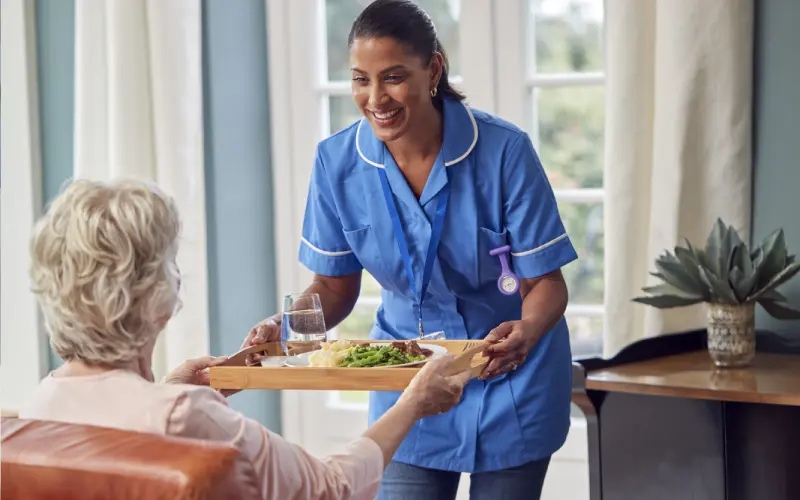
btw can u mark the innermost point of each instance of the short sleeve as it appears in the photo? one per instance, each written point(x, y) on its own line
point(323, 248)
point(539, 242)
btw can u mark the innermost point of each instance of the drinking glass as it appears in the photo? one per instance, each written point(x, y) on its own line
point(303, 320)
point(434, 336)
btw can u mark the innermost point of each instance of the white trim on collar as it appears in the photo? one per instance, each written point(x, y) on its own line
point(474, 138)
point(358, 147)
point(446, 164)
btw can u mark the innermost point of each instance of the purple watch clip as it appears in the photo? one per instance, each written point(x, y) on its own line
point(508, 282)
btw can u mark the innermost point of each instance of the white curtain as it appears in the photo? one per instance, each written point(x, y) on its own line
point(678, 144)
point(138, 113)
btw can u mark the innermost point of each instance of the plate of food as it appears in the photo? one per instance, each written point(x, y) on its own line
point(364, 354)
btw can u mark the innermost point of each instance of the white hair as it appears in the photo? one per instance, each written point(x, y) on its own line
point(103, 269)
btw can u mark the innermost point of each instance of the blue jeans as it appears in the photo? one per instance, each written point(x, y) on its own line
point(409, 482)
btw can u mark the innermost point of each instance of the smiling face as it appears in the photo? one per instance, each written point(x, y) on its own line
point(392, 86)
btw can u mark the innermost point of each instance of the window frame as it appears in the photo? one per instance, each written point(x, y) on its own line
point(299, 90)
point(514, 33)
point(514, 78)
point(23, 345)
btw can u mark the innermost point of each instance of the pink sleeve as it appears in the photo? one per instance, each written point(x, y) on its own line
point(285, 470)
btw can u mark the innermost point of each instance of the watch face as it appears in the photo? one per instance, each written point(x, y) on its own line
point(508, 283)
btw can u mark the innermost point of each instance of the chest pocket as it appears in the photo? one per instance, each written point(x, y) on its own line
point(366, 249)
point(489, 267)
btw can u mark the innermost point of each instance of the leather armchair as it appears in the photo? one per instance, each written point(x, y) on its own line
point(43, 460)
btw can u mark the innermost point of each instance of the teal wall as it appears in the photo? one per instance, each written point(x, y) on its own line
point(238, 170)
point(55, 40)
point(239, 183)
point(776, 167)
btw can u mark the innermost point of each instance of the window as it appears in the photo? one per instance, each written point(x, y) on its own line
point(553, 64)
point(562, 55)
point(565, 54)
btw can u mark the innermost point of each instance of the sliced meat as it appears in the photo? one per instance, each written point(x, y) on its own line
point(399, 345)
point(415, 350)
point(411, 348)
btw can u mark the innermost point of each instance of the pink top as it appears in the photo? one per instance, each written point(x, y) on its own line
point(123, 400)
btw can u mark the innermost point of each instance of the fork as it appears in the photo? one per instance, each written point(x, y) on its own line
point(471, 344)
point(464, 360)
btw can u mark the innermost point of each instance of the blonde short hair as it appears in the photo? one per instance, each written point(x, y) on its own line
point(103, 268)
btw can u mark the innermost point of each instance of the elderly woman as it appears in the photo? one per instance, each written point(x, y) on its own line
point(104, 272)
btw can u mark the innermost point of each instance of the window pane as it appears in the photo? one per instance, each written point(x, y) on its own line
point(343, 112)
point(566, 36)
point(445, 16)
point(340, 14)
point(570, 135)
point(370, 286)
point(584, 224)
point(360, 321)
point(358, 325)
point(586, 335)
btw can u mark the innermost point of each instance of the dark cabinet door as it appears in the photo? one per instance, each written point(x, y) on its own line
point(763, 450)
point(661, 448)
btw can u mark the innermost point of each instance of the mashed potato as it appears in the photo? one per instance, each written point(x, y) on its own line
point(331, 354)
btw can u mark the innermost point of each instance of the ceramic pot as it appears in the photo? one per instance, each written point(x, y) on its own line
point(731, 334)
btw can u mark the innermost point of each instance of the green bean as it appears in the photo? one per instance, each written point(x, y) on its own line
point(372, 360)
point(371, 356)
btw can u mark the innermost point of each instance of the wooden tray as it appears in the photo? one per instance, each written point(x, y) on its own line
point(235, 376)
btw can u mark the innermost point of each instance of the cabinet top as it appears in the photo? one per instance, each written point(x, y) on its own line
point(771, 378)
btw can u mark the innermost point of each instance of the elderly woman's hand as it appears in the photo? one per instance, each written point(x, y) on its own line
point(193, 371)
point(431, 391)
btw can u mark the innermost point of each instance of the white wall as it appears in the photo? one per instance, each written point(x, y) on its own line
point(22, 360)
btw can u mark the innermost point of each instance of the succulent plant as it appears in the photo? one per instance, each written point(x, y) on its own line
point(725, 272)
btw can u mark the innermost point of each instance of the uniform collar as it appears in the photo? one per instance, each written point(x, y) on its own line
point(460, 136)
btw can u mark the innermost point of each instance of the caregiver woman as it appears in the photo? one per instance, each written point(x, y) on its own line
point(418, 193)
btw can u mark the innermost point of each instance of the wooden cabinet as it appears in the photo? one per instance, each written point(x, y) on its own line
point(663, 423)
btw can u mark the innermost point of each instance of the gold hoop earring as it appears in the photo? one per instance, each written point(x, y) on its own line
point(434, 92)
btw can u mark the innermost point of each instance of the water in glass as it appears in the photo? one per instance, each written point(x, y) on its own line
point(306, 324)
point(303, 319)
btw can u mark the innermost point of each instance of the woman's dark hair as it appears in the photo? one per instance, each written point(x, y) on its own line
point(405, 22)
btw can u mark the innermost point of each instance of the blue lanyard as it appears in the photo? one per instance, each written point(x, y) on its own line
point(400, 237)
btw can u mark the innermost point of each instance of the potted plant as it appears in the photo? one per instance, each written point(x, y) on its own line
point(730, 278)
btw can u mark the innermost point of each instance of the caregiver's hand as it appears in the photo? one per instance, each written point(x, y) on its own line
point(431, 391)
point(268, 330)
point(509, 345)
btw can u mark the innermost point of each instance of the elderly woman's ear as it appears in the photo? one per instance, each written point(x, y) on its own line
point(163, 320)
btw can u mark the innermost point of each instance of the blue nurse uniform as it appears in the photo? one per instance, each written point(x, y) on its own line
point(498, 195)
